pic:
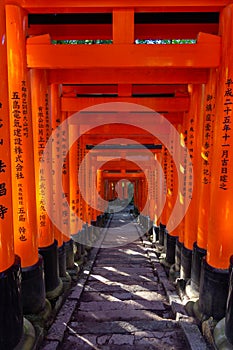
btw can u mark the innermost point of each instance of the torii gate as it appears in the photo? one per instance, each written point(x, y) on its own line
point(192, 83)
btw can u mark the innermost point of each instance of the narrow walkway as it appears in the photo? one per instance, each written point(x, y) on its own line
point(123, 304)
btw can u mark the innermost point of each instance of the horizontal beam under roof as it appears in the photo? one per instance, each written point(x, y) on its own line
point(142, 75)
point(74, 6)
point(168, 104)
point(201, 55)
point(73, 90)
point(104, 31)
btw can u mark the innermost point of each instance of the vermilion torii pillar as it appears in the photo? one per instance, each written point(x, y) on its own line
point(205, 151)
point(23, 175)
point(55, 99)
point(192, 179)
point(43, 170)
point(11, 325)
point(214, 274)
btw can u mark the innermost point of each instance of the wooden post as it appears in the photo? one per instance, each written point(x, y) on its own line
point(192, 178)
point(43, 175)
point(215, 274)
point(23, 174)
point(11, 324)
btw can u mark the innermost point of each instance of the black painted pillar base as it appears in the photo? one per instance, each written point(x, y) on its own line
point(174, 272)
point(53, 283)
point(198, 255)
point(69, 247)
point(33, 288)
point(185, 263)
point(213, 291)
point(162, 229)
point(72, 267)
point(150, 228)
point(229, 309)
point(170, 248)
point(62, 260)
point(155, 233)
point(11, 315)
point(178, 249)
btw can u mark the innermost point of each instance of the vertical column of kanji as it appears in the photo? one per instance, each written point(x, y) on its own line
point(23, 174)
point(99, 191)
point(69, 243)
point(158, 188)
point(205, 155)
point(192, 178)
point(93, 175)
point(183, 130)
point(172, 191)
point(11, 322)
point(80, 182)
point(55, 97)
point(214, 272)
point(43, 175)
point(163, 217)
point(88, 186)
point(73, 169)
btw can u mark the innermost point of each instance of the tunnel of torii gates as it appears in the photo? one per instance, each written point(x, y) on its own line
point(43, 85)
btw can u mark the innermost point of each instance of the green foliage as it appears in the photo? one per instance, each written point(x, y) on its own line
point(137, 41)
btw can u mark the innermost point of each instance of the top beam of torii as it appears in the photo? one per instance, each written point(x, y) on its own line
point(74, 6)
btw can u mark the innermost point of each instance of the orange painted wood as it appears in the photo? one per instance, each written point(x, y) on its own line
point(141, 75)
point(169, 104)
point(124, 90)
point(65, 180)
point(207, 153)
point(200, 55)
point(193, 181)
point(41, 132)
point(72, 91)
point(6, 211)
point(72, 6)
point(123, 26)
point(23, 175)
point(104, 31)
point(220, 243)
point(55, 92)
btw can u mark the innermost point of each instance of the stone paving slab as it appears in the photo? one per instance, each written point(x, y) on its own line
point(138, 295)
point(124, 269)
point(122, 305)
point(123, 327)
point(121, 278)
point(136, 341)
point(117, 315)
point(119, 287)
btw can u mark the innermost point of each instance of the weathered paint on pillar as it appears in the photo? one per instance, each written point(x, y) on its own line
point(41, 134)
point(6, 211)
point(220, 242)
point(23, 176)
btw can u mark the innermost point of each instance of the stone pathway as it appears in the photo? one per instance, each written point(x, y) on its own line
point(123, 304)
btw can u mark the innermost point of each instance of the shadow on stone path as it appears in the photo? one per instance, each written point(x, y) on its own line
point(123, 306)
point(123, 300)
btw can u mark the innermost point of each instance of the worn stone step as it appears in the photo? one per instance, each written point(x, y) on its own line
point(136, 341)
point(120, 287)
point(122, 305)
point(138, 295)
point(123, 327)
point(118, 315)
point(109, 277)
